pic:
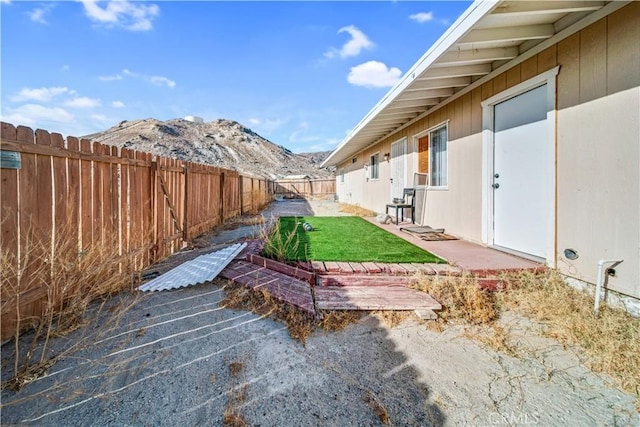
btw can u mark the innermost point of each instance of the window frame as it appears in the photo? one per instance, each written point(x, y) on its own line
point(374, 166)
point(431, 132)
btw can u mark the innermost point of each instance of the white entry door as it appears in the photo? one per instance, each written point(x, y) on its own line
point(521, 175)
point(398, 160)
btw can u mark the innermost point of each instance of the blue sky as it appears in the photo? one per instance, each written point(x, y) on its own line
point(301, 74)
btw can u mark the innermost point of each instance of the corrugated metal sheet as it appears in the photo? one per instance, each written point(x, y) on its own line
point(199, 270)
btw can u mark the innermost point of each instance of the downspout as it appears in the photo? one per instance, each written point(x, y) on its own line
point(599, 282)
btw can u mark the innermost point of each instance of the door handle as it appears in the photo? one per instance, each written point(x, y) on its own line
point(496, 185)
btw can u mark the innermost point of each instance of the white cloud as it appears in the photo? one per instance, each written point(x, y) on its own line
point(422, 17)
point(162, 81)
point(124, 14)
point(38, 14)
point(43, 94)
point(354, 46)
point(155, 80)
point(118, 104)
point(37, 115)
point(110, 78)
point(5, 1)
point(65, 67)
point(374, 74)
point(254, 122)
point(82, 102)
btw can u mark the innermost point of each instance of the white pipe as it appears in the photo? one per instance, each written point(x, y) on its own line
point(601, 263)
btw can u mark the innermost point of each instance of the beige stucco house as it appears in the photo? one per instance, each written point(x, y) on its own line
point(525, 119)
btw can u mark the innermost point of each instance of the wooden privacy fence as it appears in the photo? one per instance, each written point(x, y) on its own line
point(81, 191)
point(305, 188)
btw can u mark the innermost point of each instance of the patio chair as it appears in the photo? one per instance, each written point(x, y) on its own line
point(406, 202)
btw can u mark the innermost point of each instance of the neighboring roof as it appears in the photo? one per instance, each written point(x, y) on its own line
point(490, 37)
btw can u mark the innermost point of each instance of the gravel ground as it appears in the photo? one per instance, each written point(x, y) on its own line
point(177, 358)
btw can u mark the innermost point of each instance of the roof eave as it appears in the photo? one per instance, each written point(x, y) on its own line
point(458, 29)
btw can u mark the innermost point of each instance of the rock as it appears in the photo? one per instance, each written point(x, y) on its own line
point(383, 219)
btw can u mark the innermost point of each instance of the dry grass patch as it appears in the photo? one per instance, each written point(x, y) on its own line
point(463, 301)
point(611, 342)
point(66, 281)
point(334, 320)
point(300, 324)
point(392, 318)
point(259, 301)
point(233, 416)
point(355, 210)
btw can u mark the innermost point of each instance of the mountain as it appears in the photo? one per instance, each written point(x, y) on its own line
point(223, 143)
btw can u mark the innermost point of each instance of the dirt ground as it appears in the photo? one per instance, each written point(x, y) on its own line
point(177, 358)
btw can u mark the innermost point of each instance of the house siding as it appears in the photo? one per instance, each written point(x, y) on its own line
point(597, 151)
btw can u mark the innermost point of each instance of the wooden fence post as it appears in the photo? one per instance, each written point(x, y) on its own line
point(153, 176)
point(185, 226)
point(241, 189)
point(222, 196)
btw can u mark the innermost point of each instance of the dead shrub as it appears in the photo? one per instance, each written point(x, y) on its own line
point(463, 301)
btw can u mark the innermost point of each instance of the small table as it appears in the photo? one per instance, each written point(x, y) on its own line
point(401, 207)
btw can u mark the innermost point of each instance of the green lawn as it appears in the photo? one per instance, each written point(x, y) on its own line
point(343, 238)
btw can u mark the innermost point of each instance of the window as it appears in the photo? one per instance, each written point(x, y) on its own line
point(354, 160)
point(438, 157)
point(374, 166)
point(342, 176)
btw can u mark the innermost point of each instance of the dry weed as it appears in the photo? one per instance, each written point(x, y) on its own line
point(494, 337)
point(356, 210)
point(392, 318)
point(62, 281)
point(333, 320)
point(377, 407)
point(300, 324)
point(235, 368)
point(611, 342)
point(237, 395)
point(232, 419)
point(463, 301)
